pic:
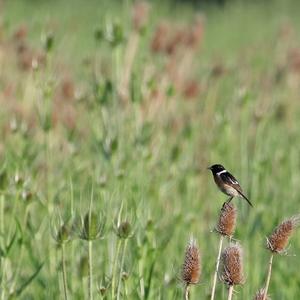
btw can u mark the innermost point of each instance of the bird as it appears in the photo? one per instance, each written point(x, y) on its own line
point(227, 183)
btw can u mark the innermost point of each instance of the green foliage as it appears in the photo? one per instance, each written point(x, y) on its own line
point(68, 129)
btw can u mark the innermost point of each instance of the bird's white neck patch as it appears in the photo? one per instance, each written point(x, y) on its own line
point(221, 172)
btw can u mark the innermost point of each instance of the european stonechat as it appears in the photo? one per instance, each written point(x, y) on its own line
point(227, 183)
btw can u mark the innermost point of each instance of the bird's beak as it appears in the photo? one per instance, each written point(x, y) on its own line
point(209, 168)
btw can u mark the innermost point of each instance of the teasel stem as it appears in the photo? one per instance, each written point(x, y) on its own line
point(125, 290)
point(230, 292)
point(52, 261)
point(2, 213)
point(64, 273)
point(187, 292)
point(2, 259)
point(3, 278)
point(121, 268)
point(90, 245)
point(114, 271)
point(268, 277)
point(217, 268)
point(21, 251)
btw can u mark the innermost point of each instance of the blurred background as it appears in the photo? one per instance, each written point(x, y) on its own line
point(118, 107)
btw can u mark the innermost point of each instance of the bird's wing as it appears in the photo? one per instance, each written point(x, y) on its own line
point(229, 179)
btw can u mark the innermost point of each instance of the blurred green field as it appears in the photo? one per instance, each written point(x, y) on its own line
point(84, 130)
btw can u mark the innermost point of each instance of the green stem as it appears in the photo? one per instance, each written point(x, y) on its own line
point(90, 270)
point(64, 273)
point(52, 260)
point(125, 290)
point(141, 273)
point(121, 268)
point(2, 239)
point(3, 279)
point(13, 213)
point(2, 214)
point(114, 271)
point(21, 253)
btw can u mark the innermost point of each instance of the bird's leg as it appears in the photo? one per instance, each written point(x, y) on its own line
point(228, 201)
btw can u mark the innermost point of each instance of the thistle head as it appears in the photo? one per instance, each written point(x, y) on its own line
point(191, 269)
point(260, 295)
point(227, 220)
point(279, 238)
point(232, 265)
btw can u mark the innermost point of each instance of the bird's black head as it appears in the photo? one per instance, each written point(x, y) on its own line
point(216, 168)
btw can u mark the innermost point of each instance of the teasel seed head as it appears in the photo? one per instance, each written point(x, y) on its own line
point(260, 295)
point(279, 238)
point(124, 230)
point(191, 269)
point(92, 226)
point(227, 220)
point(140, 15)
point(232, 265)
point(48, 40)
point(102, 290)
point(124, 276)
point(63, 233)
point(61, 230)
point(160, 38)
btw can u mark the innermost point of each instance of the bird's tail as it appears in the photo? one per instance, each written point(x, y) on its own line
point(245, 198)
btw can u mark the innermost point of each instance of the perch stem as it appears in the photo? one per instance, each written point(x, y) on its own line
point(268, 277)
point(217, 268)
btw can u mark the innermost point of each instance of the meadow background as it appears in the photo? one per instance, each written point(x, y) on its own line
point(117, 109)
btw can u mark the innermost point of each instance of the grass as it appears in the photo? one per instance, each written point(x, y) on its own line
point(147, 169)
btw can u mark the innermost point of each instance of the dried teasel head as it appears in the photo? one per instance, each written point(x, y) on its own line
point(261, 294)
point(279, 238)
point(195, 33)
point(227, 220)
point(232, 265)
point(160, 37)
point(140, 15)
point(191, 269)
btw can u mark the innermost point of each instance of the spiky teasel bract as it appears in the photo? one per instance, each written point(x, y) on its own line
point(60, 229)
point(260, 295)
point(232, 265)
point(191, 269)
point(91, 226)
point(124, 226)
point(227, 220)
point(279, 238)
point(124, 230)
